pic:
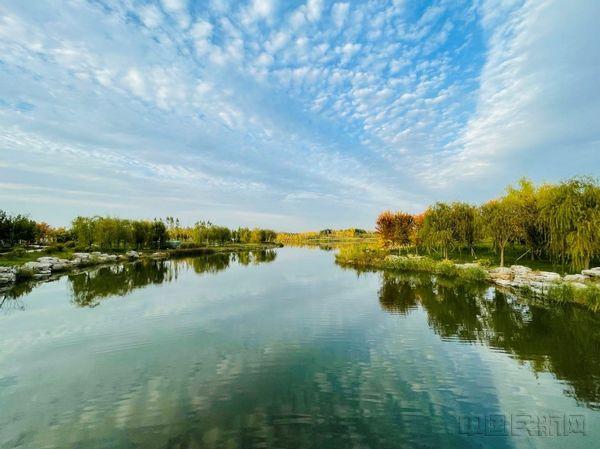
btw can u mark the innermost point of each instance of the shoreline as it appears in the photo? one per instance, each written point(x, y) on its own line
point(44, 267)
point(582, 289)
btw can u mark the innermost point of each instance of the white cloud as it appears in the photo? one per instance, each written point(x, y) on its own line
point(539, 93)
point(178, 9)
point(314, 9)
point(339, 12)
point(134, 80)
point(150, 16)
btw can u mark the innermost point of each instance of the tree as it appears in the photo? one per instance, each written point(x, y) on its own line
point(437, 231)
point(526, 198)
point(394, 228)
point(500, 221)
point(570, 214)
point(462, 222)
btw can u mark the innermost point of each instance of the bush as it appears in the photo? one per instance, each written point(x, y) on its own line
point(446, 268)
point(475, 274)
point(24, 274)
point(589, 296)
point(56, 248)
point(18, 251)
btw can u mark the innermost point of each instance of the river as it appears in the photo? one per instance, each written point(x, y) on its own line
point(285, 349)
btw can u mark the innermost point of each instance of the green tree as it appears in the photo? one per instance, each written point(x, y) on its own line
point(500, 220)
point(570, 214)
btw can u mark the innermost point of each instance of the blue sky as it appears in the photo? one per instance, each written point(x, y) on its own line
point(290, 114)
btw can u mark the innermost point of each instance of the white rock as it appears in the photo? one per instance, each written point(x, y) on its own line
point(37, 267)
point(501, 273)
point(159, 255)
point(520, 270)
point(575, 278)
point(503, 282)
point(592, 272)
point(543, 276)
point(8, 275)
point(132, 254)
point(82, 256)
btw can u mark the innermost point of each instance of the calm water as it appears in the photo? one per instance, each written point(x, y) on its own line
point(288, 350)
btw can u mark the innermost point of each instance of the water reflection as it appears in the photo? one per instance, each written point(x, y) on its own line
point(89, 287)
point(562, 339)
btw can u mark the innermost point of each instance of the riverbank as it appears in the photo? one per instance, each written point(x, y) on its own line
point(582, 288)
point(42, 267)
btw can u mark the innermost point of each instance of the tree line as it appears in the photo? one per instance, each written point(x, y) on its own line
point(560, 222)
point(118, 233)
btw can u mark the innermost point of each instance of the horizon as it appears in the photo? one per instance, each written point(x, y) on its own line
point(289, 115)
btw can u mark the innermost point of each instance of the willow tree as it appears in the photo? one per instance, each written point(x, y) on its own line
point(526, 198)
point(462, 217)
point(500, 221)
point(438, 230)
point(570, 214)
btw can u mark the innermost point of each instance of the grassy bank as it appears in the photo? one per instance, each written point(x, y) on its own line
point(567, 293)
point(371, 257)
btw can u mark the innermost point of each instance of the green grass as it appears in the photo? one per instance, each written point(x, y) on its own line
point(370, 257)
point(564, 292)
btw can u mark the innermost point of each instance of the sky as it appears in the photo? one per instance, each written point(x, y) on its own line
point(292, 115)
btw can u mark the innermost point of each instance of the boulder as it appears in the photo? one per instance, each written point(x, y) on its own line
point(575, 278)
point(592, 272)
point(55, 263)
point(501, 273)
point(543, 276)
point(132, 254)
point(520, 270)
point(38, 270)
point(159, 255)
point(81, 256)
point(8, 275)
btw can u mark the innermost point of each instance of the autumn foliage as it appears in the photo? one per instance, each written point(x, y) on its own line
point(395, 228)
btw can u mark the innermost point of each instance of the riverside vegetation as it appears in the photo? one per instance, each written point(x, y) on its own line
point(549, 225)
point(35, 250)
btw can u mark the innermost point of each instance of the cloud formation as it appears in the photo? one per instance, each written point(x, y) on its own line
point(312, 114)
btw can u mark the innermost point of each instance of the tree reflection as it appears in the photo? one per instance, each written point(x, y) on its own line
point(90, 287)
point(563, 339)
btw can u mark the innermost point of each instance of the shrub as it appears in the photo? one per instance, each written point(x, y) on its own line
point(446, 268)
point(589, 296)
point(24, 274)
point(476, 274)
point(56, 248)
point(18, 251)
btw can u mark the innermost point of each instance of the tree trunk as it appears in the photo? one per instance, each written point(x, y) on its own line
point(502, 255)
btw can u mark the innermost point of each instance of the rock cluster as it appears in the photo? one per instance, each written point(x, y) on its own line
point(518, 276)
point(45, 266)
point(8, 275)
